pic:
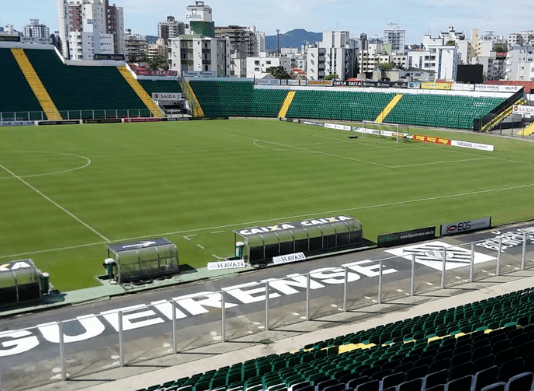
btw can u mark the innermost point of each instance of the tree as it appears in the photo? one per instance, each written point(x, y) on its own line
point(501, 49)
point(388, 66)
point(451, 43)
point(157, 62)
point(278, 72)
point(332, 76)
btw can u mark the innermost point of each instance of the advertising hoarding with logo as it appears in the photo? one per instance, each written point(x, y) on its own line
point(465, 226)
point(432, 139)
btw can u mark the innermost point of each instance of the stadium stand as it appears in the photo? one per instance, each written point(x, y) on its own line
point(83, 87)
point(343, 105)
point(36, 85)
point(445, 111)
point(16, 94)
point(479, 346)
point(237, 99)
point(154, 86)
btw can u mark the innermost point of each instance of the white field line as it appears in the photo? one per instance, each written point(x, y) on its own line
point(306, 150)
point(358, 160)
point(286, 218)
point(54, 203)
point(88, 162)
point(444, 162)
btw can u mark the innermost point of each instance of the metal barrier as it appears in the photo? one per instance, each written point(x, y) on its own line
point(94, 343)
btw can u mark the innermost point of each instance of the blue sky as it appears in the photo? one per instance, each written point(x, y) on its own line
point(417, 17)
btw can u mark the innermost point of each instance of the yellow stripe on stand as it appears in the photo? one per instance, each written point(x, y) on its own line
point(140, 91)
point(382, 116)
point(36, 85)
point(287, 104)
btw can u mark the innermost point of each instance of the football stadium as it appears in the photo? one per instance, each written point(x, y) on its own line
point(279, 235)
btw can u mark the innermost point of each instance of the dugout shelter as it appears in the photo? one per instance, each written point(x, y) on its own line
point(310, 236)
point(21, 281)
point(144, 259)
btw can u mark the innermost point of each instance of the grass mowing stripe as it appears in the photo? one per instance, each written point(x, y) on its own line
point(188, 178)
point(54, 203)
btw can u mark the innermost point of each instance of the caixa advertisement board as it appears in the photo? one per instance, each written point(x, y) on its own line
point(465, 226)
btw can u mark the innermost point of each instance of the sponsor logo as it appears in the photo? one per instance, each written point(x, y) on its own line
point(288, 226)
point(431, 254)
point(433, 140)
point(465, 226)
point(509, 239)
point(226, 265)
point(467, 144)
point(15, 265)
point(289, 258)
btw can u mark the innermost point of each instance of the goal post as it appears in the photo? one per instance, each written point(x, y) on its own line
point(381, 129)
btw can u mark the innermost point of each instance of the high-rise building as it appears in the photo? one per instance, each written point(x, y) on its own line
point(335, 54)
point(396, 37)
point(36, 30)
point(171, 28)
point(136, 46)
point(198, 50)
point(244, 42)
point(89, 27)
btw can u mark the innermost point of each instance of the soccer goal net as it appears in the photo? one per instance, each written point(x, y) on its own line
point(381, 129)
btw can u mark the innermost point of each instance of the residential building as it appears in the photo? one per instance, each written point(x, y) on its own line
point(519, 63)
point(171, 28)
point(157, 49)
point(198, 50)
point(521, 38)
point(335, 54)
point(89, 27)
point(437, 56)
point(244, 42)
point(136, 46)
point(396, 37)
point(36, 30)
point(257, 66)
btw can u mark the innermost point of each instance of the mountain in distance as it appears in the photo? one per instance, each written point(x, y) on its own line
point(292, 39)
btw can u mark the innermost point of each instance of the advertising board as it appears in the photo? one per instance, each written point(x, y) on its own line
point(17, 123)
point(432, 139)
point(467, 144)
point(435, 86)
point(405, 237)
point(523, 110)
point(322, 83)
point(465, 226)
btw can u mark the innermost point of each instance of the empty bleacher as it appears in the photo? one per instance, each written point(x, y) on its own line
point(446, 111)
point(15, 92)
point(342, 105)
point(482, 344)
point(154, 86)
point(75, 88)
point(237, 99)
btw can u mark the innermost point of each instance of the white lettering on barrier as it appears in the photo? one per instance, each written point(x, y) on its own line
point(246, 296)
point(20, 341)
point(92, 325)
point(128, 318)
point(139, 316)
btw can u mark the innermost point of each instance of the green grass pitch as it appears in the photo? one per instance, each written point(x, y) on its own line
point(66, 191)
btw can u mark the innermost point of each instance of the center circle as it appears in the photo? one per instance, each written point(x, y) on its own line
point(31, 164)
